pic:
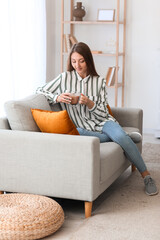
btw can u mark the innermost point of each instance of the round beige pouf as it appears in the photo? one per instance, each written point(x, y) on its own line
point(28, 216)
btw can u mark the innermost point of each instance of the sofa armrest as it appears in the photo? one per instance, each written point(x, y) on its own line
point(129, 117)
point(56, 165)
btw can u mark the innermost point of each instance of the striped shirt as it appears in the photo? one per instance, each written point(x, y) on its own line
point(94, 87)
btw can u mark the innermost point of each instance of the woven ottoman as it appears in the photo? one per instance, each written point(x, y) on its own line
point(28, 216)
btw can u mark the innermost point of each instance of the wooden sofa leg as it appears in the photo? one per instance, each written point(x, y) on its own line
point(133, 168)
point(88, 209)
point(1, 192)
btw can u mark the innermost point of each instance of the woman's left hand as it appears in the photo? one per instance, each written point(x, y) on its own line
point(86, 101)
point(83, 99)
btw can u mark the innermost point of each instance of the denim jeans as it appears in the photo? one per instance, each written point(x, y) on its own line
point(112, 131)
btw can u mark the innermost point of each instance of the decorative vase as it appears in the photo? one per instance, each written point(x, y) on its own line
point(79, 11)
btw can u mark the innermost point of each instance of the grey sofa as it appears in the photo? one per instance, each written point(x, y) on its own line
point(57, 165)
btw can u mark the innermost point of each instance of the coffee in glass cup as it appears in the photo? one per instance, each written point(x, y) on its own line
point(75, 98)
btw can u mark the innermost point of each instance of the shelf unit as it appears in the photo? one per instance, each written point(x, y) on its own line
point(117, 54)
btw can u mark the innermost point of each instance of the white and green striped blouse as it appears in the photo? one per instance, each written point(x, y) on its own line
point(92, 87)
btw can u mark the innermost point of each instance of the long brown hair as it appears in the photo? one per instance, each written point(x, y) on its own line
point(85, 51)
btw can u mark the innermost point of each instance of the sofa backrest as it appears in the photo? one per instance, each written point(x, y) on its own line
point(19, 112)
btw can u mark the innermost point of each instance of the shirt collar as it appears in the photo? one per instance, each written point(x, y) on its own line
point(82, 79)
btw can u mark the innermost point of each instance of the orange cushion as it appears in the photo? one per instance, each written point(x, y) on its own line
point(54, 122)
point(109, 110)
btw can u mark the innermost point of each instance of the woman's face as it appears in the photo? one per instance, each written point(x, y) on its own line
point(79, 64)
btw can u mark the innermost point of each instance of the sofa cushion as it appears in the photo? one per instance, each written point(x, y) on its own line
point(112, 159)
point(54, 122)
point(109, 110)
point(19, 112)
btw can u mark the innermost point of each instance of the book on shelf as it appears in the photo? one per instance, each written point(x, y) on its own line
point(73, 39)
point(69, 41)
point(110, 76)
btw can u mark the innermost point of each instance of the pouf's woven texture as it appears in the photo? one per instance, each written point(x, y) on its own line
point(28, 216)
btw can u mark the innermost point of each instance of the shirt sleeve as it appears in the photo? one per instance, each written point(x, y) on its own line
point(51, 90)
point(100, 110)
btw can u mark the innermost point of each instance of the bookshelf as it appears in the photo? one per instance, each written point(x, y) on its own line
point(117, 54)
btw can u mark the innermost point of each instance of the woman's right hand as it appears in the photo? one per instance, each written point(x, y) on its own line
point(64, 98)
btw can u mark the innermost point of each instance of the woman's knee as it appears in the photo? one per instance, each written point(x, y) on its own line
point(115, 132)
point(102, 137)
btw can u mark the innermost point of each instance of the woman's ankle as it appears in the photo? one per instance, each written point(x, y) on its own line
point(145, 173)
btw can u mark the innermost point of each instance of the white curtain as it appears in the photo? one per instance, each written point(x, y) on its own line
point(22, 48)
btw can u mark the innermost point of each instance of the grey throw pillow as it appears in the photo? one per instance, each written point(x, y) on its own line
point(19, 112)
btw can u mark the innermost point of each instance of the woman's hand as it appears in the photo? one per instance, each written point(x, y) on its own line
point(86, 101)
point(64, 98)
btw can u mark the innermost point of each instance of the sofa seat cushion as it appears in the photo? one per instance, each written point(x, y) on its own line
point(112, 158)
point(19, 112)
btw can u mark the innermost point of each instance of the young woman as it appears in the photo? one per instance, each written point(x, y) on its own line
point(89, 111)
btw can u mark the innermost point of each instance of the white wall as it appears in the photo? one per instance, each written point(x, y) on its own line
point(52, 38)
point(143, 60)
point(142, 85)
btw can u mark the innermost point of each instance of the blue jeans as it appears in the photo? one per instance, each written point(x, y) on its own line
point(112, 131)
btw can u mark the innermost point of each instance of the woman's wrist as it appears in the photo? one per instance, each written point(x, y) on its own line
point(90, 104)
point(57, 99)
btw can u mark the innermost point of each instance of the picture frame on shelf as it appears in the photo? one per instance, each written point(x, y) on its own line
point(106, 15)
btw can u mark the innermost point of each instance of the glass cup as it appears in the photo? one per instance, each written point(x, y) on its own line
point(75, 98)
